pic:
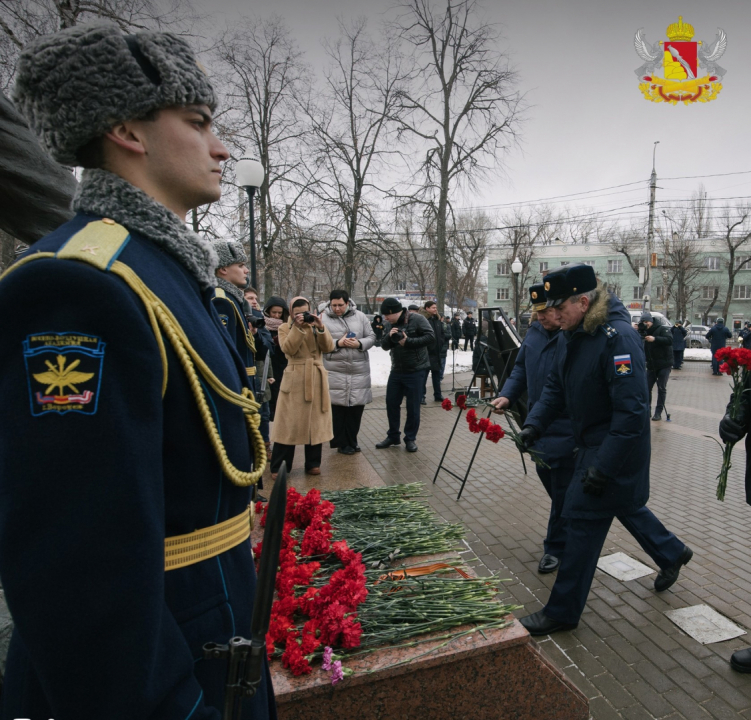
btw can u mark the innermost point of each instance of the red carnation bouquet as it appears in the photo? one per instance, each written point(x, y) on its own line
point(735, 362)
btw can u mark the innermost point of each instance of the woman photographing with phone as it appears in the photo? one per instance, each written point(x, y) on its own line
point(303, 410)
point(349, 368)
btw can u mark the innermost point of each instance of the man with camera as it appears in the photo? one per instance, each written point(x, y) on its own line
point(229, 302)
point(658, 350)
point(407, 336)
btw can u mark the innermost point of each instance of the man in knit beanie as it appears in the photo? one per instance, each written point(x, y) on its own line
point(125, 456)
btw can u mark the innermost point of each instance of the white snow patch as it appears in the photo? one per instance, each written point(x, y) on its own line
point(698, 354)
point(380, 364)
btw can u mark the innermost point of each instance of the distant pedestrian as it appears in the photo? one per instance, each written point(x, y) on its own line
point(745, 336)
point(469, 329)
point(658, 351)
point(435, 350)
point(456, 331)
point(679, 344)
point(276, 313)
point(446, 323)
point(718, 336)
point(349, 368)
point(377, 326)
point(407, 337)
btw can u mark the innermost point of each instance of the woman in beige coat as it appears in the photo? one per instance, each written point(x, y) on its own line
point(303, 410)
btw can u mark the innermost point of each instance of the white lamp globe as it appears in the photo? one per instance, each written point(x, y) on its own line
point(516, 266)
point(249, 170)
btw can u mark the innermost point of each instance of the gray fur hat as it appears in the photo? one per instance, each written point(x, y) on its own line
point(229, 253)
point(75, 85)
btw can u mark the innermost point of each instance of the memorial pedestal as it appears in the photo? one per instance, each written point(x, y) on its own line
point(502, 675)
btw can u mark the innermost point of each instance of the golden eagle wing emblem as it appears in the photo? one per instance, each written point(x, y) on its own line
point(62, 377)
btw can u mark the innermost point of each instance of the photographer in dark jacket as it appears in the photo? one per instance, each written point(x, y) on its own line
point(436, 350)
point(407, 336)
point(658, 349)
point(679, 344)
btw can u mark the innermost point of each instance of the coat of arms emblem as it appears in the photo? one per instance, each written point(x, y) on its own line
point(690, 72)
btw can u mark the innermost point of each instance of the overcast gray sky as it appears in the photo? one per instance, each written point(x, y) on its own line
point(589, 126)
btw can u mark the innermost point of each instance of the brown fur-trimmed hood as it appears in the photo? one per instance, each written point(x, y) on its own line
point(599, 310)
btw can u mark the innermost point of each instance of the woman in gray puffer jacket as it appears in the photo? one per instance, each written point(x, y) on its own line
point(348, 367)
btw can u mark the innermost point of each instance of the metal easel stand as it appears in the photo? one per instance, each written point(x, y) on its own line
point(441, 466)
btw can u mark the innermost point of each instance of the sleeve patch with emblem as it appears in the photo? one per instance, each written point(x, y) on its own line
point(224, 319)
point(64, 372)
point(622, 364)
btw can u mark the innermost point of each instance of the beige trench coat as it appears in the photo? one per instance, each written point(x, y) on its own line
point(303, 410)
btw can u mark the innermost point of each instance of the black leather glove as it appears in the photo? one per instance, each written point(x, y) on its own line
point(594, 482)
point(732, 431)
point(528, 437)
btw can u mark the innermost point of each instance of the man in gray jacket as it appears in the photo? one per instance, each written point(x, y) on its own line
point(406, 336)
point(348, 367)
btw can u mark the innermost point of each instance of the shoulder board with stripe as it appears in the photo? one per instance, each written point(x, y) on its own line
point(98, 244)
point(219, 293)
point(610, 331)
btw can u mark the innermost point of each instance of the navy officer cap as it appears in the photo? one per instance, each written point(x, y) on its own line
point(537, 297)
point(567, 281)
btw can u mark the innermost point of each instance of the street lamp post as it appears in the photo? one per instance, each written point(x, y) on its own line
point(516, 268)
point(249, 173)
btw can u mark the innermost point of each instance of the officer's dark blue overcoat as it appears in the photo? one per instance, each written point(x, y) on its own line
point(540, 352)
point(88, 496)
point(679, 337)
point(601, 381)
point(718, 336)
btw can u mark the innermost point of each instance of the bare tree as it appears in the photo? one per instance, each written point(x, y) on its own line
point(737, 233)
point(352, 120)
point(264, 72)
point(468, 248)
point(461, 107)
point(24, 20)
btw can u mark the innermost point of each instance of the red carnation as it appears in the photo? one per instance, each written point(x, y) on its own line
point(484, 424)
point(494, 433)
point(471, 415)
point(446, 404)
point(294, 659)
point(461, 401)
point(725, 368)
point(351, 632)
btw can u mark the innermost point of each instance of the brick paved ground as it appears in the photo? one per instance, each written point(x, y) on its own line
point(626, 656)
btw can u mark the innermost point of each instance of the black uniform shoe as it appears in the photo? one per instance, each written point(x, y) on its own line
point(422, 402)
point(665, 578)
point(540, 624)
point(347, 450)
point(438, 399)
point(357, 448)
point(740, 661)
point(411, 445)
point(548, 564)
point(657, 416)
point(388, 442)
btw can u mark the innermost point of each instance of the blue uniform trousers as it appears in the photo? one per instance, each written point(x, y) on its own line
point(265, 419)
point(399, 386)
point(584, 540)
point(556, 481)
point(436, 374)
point(677, 359)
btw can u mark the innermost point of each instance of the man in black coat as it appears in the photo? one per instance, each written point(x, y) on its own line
point(456, 332)
point(718, 336)
point(407, 335)
point(679, 344)
point(469, 328)
point(745, 336)
point(436, 351)
point(658, 349)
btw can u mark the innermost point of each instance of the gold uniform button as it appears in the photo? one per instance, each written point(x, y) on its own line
point(574, 289)
point(108, 221)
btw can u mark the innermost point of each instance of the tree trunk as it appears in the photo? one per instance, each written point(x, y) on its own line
point(440, 280)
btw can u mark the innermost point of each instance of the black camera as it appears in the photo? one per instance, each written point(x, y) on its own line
point(308, 317)
point(398, 336)
point(642, 328)
point(256, 322)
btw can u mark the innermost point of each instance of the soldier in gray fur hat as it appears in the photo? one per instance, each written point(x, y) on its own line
point(126, 461)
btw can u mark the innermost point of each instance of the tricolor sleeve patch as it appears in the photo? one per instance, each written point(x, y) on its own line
point(622, 364)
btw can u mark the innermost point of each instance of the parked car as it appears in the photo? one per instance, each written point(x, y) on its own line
point(696, 336)
point(658, 317)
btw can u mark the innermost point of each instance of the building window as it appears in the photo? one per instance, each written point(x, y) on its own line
point(660, 291)
point(401, 286)
point(501, 294)
point(713, 263)
point(638, 292)
point(591, 263)
point(640, 262)
point(743, 262)
point(543, 266)
point(564, 262)
point(708, 292)
point(501, 268)
point(615, 266)
point(742, 292)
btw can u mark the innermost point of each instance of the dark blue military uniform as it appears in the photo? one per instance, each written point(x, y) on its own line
point(96, 470)
point(679, 345)
point(601, 381)
point(718, 336)
point(249, 347)
point(540, 352)
point(745, 336)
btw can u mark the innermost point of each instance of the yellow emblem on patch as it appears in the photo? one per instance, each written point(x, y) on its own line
point(547, 286)
point(534, 296)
